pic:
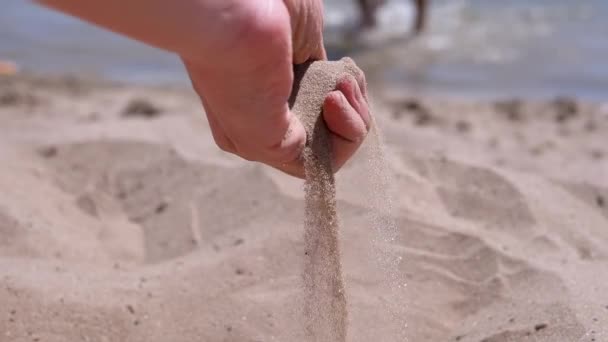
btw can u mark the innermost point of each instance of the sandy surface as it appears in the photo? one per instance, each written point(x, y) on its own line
point(121, 221)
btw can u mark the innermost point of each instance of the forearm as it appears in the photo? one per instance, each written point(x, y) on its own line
point(187, 27)
point(238, 53)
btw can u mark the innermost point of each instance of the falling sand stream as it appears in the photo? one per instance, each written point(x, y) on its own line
point(325, 303)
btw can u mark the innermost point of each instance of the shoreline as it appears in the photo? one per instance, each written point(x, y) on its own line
point(501, 132)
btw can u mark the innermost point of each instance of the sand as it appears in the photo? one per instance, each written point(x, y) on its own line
point(325, 304)
point(129, 227)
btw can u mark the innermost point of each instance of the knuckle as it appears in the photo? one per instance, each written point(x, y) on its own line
point(268, 29)
point(224, 147)
point(223, 144)
point(285, 154)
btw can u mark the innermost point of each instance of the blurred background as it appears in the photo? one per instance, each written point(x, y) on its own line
point(470, 48)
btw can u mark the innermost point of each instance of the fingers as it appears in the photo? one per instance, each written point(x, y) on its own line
point(289, 154)
point(286, 154)
point(342, 118)
point(319, 53)
point(346, 113)
point(347, 116)
point(355, 89)
point(309, 51)
point(307, 30)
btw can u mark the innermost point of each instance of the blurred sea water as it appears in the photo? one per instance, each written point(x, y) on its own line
point(472, 48)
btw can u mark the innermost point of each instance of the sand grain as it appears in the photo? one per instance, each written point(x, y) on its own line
point(325, 304)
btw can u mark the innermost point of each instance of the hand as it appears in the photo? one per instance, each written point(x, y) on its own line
point(245, 84)
point(306, 18)
point(240, 55)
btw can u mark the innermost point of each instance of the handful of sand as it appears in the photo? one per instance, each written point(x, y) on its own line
point(325, 301)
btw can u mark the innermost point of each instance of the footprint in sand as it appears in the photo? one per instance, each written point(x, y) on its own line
point(177, 202)
point(480, 195)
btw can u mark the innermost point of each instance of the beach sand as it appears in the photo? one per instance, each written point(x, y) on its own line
point(120, 220)
point(324, 303)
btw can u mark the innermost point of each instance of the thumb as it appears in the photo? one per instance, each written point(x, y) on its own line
point(287, 154)
point(320, 54)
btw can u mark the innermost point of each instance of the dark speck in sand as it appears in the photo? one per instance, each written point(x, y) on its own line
point(597, 154)
point(540, 326)
point(463, 126)
point(493, 143)
point(590, 126)
point(130, 309)
point(48, 152)
point(601, 202)
point(536, 150)
point(9, 98)
point(12, 97)
point(141, 108)
point(411, 105)
point(511, 109)
point(565, 109)
point(422, 116)
point(161, 207)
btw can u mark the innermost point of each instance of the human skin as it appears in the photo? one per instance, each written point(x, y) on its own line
point(239, 55)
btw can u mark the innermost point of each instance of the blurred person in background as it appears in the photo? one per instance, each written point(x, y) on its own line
point(369, 8)
point(7, 67)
